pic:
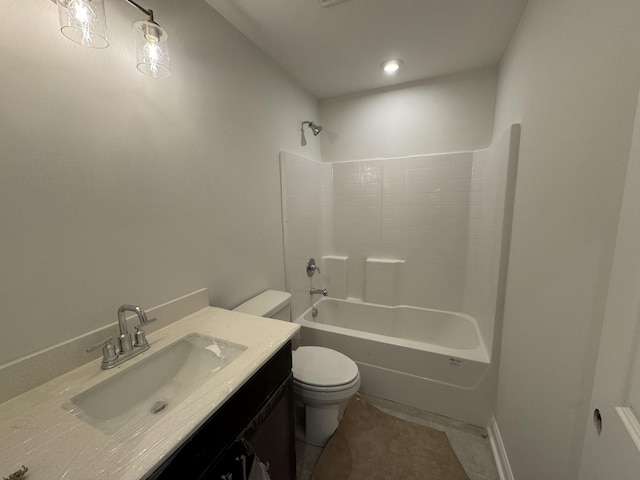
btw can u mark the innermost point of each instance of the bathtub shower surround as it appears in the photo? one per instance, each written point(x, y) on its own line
point(425, 231)
point(439, 214)
point(490, 217)
point(414, 210)
point(306, 201)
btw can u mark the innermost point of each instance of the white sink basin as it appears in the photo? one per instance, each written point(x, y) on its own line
point(130, 401)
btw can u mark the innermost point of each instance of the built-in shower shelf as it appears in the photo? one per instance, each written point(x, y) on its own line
point(391, 261)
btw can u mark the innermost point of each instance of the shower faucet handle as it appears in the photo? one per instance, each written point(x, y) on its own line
point(312, 267)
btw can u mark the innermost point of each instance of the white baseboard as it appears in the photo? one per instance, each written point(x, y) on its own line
point(499, 452)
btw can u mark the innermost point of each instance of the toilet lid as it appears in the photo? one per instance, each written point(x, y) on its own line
point(322, 367)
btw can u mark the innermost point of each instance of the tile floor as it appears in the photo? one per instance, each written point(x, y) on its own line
point(469, 442)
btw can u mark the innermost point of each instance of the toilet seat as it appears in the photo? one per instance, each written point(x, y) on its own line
point(322, 369)
point(330, 389)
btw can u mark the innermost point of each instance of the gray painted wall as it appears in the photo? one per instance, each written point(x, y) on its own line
point(571, 77)
point(119, 188)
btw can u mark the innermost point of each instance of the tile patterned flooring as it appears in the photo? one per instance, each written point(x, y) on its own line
point(468, 441)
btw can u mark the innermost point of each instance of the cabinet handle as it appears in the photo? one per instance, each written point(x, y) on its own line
point(243, 459)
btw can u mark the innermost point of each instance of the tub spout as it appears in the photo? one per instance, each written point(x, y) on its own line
point(317, 291)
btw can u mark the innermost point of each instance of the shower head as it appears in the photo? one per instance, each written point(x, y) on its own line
point(316, 129)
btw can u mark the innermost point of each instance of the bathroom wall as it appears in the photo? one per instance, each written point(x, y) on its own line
point(446, 114)
point(571, 77)
point(118, 188)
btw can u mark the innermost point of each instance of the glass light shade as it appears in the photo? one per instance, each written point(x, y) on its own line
point(84, 22)
point(152, 49)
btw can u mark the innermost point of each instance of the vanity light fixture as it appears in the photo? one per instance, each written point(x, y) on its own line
point(391, 67)
point(84, 22)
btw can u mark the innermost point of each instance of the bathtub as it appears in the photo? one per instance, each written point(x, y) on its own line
point(429, 359)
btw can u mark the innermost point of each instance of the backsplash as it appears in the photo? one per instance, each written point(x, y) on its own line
point(25, 373)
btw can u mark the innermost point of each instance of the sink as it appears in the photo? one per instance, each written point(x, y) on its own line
point(137, 397)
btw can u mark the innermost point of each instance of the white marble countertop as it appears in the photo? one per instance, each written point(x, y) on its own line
point(36, 431)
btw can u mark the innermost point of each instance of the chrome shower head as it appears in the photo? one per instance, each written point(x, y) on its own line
point(316, 129)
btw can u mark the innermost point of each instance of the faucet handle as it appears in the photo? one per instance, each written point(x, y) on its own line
point(140, 338)
point(312, 267)
point(109, 353)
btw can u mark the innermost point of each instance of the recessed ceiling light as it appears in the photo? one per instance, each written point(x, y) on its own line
point(391, 67)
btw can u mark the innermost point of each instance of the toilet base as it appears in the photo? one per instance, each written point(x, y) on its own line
point(320, 423)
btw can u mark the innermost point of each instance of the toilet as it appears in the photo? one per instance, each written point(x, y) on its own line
point(323, 379)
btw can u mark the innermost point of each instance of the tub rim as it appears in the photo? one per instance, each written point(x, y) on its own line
point(478, 353)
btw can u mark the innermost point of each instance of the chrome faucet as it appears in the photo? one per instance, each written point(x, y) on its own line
point(125, 341)
point(317, 291)
point(127, 347)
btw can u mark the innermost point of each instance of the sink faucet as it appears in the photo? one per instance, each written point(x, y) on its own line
point(126, 344)
point(317, 291)
point(113, 356)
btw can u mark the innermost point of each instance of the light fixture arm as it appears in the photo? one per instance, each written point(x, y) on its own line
point(148, 12)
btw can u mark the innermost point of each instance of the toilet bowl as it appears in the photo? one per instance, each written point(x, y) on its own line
point(323, 379)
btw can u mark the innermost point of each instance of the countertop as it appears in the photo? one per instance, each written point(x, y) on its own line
point(37, 432)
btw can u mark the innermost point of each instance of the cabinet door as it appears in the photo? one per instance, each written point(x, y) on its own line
point(273, 440)
point(233, 466)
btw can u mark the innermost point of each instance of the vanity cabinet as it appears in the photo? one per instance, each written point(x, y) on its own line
point(256, 422)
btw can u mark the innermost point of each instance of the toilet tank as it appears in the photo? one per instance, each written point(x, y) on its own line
point(271, 303)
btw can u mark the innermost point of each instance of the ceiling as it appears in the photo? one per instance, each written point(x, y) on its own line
point(337, 49)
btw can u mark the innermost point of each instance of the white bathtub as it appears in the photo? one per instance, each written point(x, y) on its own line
point(429, 359)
